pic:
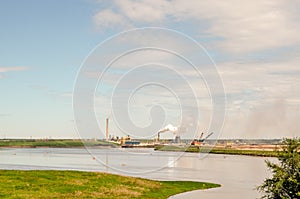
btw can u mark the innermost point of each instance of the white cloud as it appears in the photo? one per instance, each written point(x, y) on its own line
point(144, 11)
point(242, 26)
point(268, 79)
point(253, 26)
point(108, 19)
point(4, 70)
point(263, 96)
point(263, 99)
point(13, 68)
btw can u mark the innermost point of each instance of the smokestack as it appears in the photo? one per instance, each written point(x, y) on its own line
point(106, 128)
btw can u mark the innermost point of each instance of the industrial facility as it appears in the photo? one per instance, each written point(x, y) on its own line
point(128, 142)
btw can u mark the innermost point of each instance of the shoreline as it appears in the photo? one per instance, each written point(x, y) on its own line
point(221, 151)
point(60, 143)
point(258, 152)
point(262, 150)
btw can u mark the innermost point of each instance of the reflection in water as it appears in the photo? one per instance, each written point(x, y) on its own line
point(239, 175)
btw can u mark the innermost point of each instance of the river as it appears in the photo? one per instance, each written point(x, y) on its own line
point(238, 175)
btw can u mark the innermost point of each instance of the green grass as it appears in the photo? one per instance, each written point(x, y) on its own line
point(261, 153)
point(77, 184)
point(229, 151)
point(52, 143)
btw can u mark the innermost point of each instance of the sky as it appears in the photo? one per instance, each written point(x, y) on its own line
point(46, 47)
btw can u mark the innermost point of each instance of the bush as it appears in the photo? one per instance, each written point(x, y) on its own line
point(285, 182)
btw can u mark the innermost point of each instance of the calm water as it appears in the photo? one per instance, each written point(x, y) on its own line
point(239, 175)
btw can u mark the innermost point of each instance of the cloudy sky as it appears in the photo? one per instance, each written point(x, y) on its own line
point(254, 44)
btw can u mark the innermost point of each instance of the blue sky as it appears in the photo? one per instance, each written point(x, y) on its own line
point(255, 46)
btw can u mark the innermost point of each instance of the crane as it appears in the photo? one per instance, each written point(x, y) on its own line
point(197, 142)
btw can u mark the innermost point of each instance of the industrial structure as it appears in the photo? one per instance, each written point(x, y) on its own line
point(127, 142)
point(106, 130)
point(169, 128)
point(198, 142)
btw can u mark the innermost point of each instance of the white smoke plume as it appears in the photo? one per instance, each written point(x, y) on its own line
point(169, 127)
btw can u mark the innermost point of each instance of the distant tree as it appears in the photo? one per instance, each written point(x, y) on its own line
point(285, 182)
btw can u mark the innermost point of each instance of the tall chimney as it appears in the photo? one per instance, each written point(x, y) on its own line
point(106, 129)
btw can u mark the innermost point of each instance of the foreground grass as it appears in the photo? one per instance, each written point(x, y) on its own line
point(77, 184)
point(229, 151)
point(52, 143)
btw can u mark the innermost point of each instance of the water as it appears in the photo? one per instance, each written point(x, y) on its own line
point(239, 175)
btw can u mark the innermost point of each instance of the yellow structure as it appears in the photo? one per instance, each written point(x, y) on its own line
point(124, 139)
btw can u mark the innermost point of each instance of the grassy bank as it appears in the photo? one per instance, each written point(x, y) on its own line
point(76, 184)
point(229, 151)
point(52, 143)
point(261, 153)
